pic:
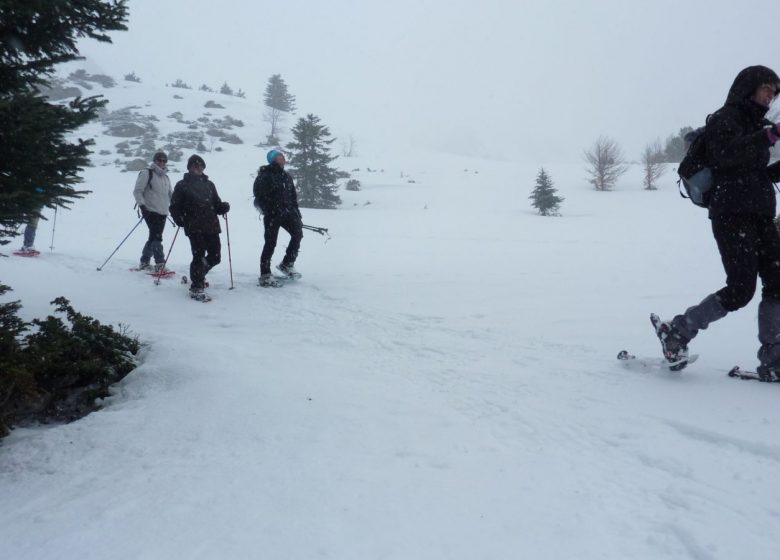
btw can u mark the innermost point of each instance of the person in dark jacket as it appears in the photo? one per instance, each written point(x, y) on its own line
point(276, 198)
point(741, 210)
point(195, 206)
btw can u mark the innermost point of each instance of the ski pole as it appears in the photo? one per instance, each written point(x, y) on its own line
point(230, 259)
point(53, 228)
point(122, 243)
point(165, 262)
point(320, 230)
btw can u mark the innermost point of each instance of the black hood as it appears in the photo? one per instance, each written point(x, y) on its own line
point(747, 81)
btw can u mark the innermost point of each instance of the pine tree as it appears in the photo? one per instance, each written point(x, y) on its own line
point(544, 198)
point(279, 101)
point(38, 166)
point(309, 159)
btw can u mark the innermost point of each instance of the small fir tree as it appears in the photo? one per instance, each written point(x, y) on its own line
point(543, 196)
point(279, 101)
point(309, 164)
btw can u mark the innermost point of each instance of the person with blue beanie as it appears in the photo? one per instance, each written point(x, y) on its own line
point(277, 199)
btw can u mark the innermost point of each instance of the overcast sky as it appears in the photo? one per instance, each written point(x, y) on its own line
point(528, 80)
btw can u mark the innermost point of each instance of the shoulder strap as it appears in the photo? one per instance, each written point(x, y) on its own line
point(149, 182)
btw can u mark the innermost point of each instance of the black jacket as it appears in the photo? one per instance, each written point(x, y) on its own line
point(195, 205)
point(738, 149)
point(274, 191)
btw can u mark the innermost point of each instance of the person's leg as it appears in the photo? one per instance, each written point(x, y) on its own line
point(213, 250)
point(146, 252)
point(738, 243)
point(29, 232)
point(271, 234)
point(294, 227)
point(156, 223)
point(198, 264)
point(736, 237)
point(769, 308)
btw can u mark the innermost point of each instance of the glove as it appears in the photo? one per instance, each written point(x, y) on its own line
point(224, 208)
point(143, 210)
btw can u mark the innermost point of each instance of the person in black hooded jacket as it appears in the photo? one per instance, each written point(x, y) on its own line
point(741, 210)
point(195, 206)
point(277, 199)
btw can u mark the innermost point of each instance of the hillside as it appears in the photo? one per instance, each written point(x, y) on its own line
point(441, 384)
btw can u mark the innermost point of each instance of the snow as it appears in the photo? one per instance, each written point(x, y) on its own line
point(440, 384)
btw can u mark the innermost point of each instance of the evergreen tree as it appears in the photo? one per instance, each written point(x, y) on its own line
point(543, 196)
point(309, 159)
point(675, 148)
point(38, 167)
point(279, 101)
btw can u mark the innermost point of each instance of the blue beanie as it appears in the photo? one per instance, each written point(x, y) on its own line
point(271, 156)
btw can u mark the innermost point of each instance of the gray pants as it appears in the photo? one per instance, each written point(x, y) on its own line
point(29, 232)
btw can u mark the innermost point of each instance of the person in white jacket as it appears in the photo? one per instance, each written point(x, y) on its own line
point(153, 196)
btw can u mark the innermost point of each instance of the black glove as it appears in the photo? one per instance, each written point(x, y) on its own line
point(143, 210)
point(224, 208)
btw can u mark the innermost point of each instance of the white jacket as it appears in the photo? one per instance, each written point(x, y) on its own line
point(157, 195)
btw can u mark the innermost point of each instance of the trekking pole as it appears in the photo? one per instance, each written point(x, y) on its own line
point(172, 222)
point(165, 262)
point(122, 243)
point(230, 259)
point(320, 230)
point(53, 229)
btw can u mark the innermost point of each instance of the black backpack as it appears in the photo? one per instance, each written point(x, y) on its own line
point(695, 173)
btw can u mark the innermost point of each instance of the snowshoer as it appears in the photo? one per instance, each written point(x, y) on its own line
point(276, 198)
point(153, 196)
point(195, 206)
point(741, 211)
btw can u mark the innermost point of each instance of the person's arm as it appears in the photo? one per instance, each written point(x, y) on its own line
point(140, 186)
point(729, 147)
point(176, 208)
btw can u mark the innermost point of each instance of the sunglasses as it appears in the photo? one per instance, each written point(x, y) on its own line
point(160, 160)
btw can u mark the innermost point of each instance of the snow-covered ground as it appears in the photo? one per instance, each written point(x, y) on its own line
point(441, 384)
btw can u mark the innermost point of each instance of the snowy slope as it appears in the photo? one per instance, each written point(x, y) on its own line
point(440, 385)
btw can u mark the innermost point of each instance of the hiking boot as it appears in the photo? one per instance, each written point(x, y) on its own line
point(288, 270)
point(27, 249)
point(160, 267)
point(267, 280)
point(673, 343)
point(144, 266)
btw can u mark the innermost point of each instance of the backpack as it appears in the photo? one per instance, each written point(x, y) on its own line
point(695, 173)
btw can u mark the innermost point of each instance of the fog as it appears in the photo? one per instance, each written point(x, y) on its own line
point(528, 80)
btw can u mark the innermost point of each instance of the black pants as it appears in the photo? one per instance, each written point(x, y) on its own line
point(153, 247)
point(292, 224)
point(206, 249)
point(749, 247)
